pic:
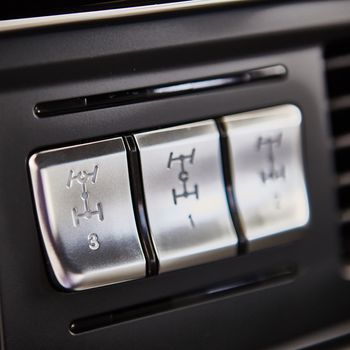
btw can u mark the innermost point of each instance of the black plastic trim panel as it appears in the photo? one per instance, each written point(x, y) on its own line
point(147, 94)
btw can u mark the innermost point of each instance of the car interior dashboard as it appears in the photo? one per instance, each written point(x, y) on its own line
point(175, 175)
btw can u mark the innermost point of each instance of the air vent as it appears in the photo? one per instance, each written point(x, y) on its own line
point(338, 76)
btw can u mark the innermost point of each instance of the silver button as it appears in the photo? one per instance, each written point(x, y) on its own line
point(185, 195)
point(267, 170)
point(85, 212)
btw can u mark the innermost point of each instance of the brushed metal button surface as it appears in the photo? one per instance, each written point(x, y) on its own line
point(185, 195)
point(85, 212)
point(267, 170)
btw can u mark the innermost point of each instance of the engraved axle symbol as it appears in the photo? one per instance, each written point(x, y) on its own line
point(83, 178)
point(183, 176)
point(274, 172)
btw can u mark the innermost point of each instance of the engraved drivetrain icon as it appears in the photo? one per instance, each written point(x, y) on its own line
point(83, 178)
point(183, 175)
point(271, 143)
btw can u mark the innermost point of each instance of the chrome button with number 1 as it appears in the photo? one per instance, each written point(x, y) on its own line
point(185, 196)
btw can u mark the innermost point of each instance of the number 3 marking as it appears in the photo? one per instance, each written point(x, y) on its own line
point(94, 243)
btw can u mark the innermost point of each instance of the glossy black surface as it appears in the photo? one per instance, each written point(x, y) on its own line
point(14, 10)
point(147, 94)
point(259, 280)
point(135, 173)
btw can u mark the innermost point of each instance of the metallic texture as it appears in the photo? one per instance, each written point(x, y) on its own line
point(93, 16)
point(185, 196)
point(85, 212)
point(267, 170)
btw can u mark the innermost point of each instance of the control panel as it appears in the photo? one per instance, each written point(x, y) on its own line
point(86, 205)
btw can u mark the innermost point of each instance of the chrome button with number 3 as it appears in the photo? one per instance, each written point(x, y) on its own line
point(85, 213)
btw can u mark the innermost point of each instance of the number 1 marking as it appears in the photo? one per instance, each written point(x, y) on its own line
point(191, 221)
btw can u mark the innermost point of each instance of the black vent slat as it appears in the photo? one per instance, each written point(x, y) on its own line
point(338, 62)
point(342, 142)
point(341, 102)
point(344, 197)
point(345, 228)
point(338, 82)
point(344, 179)
point(342, 160)
point(345, 219)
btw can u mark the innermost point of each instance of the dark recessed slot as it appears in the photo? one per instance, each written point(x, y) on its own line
point(344, 197)
point(337, 49)
point(120, 98)
point(345, 229)
point(338, 81)
point(224, 289)
point(342, 160)
point(341, 122)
